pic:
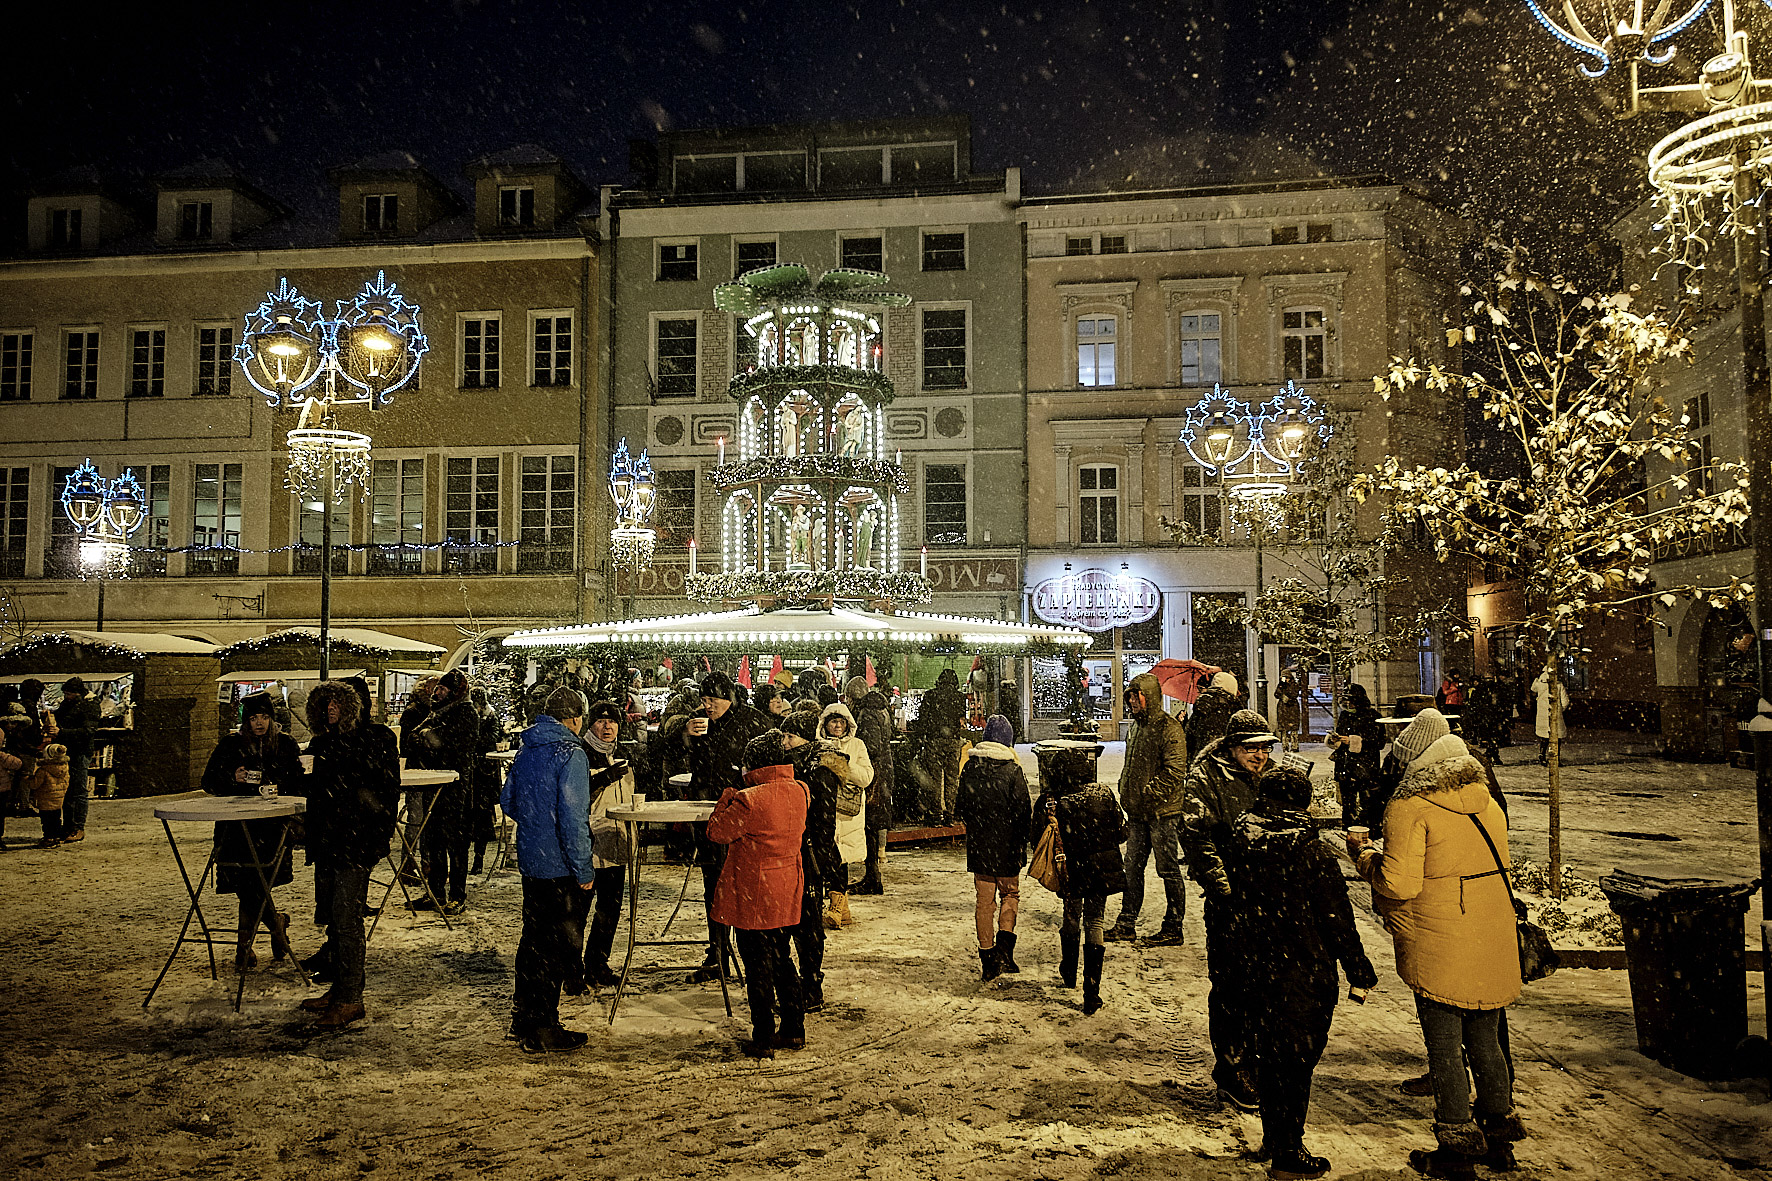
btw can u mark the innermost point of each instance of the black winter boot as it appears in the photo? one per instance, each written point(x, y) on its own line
point(1067, 957)
point(1006, 952)
point(987, 957)
point(1093, 954)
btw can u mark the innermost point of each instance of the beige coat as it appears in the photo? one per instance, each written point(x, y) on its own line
point(52, 779)
point(1436, 887)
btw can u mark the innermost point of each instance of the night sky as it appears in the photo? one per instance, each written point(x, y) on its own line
point(1470, 100)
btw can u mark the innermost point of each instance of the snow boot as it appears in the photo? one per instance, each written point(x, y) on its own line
point(1506, 1128)
point(1006, 951)
point(1068, 943)
point(1466, 1138)
point(1093, 955)
point(836, 912)
point(1297, 1165)
point(1444, 1163)
point(1169, 935)
point(1124, 930)
point(987, 958)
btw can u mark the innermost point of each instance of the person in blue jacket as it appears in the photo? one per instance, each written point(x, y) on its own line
point(548, 795)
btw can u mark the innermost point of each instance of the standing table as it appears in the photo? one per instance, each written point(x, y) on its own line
point(506, 833)
point(221, 810)
point(659, 812)
point(412, 847)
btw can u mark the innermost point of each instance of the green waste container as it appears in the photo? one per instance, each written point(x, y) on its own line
point(1685, 951)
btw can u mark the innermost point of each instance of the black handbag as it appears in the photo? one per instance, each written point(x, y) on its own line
point(1538, 958)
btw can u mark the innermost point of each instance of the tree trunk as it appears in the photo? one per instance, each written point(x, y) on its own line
point(1553, 759)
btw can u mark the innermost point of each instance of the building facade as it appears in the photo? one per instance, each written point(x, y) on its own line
point(118, 325)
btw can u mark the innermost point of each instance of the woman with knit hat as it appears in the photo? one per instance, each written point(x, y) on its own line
point(993, 805)
point(254, 760)
point(1439, 885)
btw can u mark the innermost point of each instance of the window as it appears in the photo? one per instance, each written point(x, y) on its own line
point(479, 352)
point(64, 229)
point(1292, 235)
point(676, 262)
point(310, 537)
point(147, 555)
point(1221, 642)
point(944, 252)
point(768, 172)
point(196, 221)
point(748, 256)
point(674, 514)
point(744, 347)
point(15, 501)
point(1699, 455)
point(674, 356)
point(927, 164)
point(215, 519)
point(80, 365)
point(61, 558)
point(381, 213)
point(865, 253)
point(944, 504)
point(851, 168)
point(470, 516)
point(1285, 236)
point(147, 362)
point(1095, 350)
point(552, 350)
point(1113, 243)
point(15, 366)
point(215, 366)
point(1077, 246)
point(1202, 500)
point(516, 207)
point(706, 174)
point(1202, 348)
point(944, 348)
point(1318, 232)
point(396, 516)
point(1305, 341)
point(1098, 501)
point(548, 512)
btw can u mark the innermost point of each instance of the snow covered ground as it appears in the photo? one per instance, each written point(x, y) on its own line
point(913, 1070)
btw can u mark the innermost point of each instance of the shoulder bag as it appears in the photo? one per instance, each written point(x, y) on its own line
point(1538, 958)
point(1047, 865)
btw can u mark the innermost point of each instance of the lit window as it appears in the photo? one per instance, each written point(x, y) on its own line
point(215, 519)
point(1095, 350)
point(1202, 349)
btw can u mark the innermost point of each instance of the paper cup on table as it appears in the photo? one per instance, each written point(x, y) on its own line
point(267, 791)
point(639, 799)
point(1359, 834)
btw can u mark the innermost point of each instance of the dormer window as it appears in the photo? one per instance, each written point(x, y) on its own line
point(64, 229)
point(381, 213)
point(516, 207)
point(196, 221)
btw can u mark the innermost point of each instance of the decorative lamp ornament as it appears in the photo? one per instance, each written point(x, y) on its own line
point(634, 490)
point(106, 513)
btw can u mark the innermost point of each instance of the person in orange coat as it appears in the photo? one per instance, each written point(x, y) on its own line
point(759, 891)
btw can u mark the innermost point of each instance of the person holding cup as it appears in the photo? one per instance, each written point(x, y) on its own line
point(255, 760)
point(716, 736)
point(612, 787)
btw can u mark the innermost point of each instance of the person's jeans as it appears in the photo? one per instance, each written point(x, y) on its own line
point(606, 896)
point(772, 984)
point(941, 757)
point(1086, 917)
point(1456, 1036)
point(349, 884)
point(549, 950)
point(79, 792)
point(1161, 834)
point(1228, 1019)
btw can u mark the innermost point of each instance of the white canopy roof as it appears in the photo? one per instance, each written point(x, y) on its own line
point(805, 629)
point(289, 674)
point(344, 638)
point(143, 643)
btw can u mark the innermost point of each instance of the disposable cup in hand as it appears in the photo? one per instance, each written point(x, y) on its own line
point(698, 727)
point(307, 764)
point(254, 778)
point(1359, 834)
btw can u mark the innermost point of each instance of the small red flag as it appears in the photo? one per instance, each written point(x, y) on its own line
point(744, 672)
point(870, 669)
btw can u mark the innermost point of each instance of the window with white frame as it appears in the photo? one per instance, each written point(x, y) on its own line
point(470, 515)
point(480, 337)
point(1202, 348)
point(548, 505)
point(744, 347)
point(863, 252)
point(516, 207)
point(381, 213)
point(215, 519)
point(311, 537)
point(551, 348)
point(15, 504)
point(1098, 504)
point(196, 221)
point(1202, 500)
point(944, 348)
point(80, 364)
point(147, 554)
point(944, 250)
point(147, 362)
point(215, 360)
point(15, 366)
point(1699, 453)
point(61, 557)
point(1097, 342)
point(748, 256)
point(674, 514)
point(396, 516)
point(677, 261)
point(675, 351)
point(1304, 343)
point(944, 504)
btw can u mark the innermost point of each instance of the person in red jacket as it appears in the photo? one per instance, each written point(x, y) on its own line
point(759, 892)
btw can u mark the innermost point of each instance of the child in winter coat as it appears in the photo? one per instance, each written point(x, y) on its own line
point(993, 805)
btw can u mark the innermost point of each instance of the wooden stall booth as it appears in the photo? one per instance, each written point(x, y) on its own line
point(153, 694)
point(287, 664)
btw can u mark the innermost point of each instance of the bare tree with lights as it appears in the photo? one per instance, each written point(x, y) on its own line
point(1610, 480)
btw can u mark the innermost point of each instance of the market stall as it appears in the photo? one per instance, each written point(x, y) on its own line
point(287, 663)
point(152, 691)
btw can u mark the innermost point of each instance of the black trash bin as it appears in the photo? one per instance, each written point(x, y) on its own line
point(1067, 760)
point(1685, 950)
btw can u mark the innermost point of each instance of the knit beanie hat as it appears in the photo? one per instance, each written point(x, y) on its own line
point(803, 722)
point(1429, 727)
point(1248, 728)
point(1225, 681)
point(258, 703)
point(998, 729)
point(766, 750)
point(604, 711)
point(1283, 788)
point(717, 685)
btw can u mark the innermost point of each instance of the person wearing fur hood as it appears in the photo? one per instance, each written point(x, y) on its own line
point(1441, 894)
point(836, 729)
point(994, 806)
point(824, 772)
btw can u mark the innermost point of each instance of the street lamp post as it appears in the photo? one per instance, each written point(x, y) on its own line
point(632, 538)
point(1255, 450)
point(107, 513)
point(300, 359)
point(1711, 176)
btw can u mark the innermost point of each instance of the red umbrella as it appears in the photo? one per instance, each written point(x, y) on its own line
point(1182, 679)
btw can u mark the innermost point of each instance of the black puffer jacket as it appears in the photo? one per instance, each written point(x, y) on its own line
point(873, 725)
point(278, 760)
point(354, 790)
point(993, 804)
point(1092, 828)
point(1290, 903)
point(1212, 713)
point(717, 758)
point(823, 777)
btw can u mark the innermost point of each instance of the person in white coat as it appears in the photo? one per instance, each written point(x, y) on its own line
point(1550, 718)
point(836, 729)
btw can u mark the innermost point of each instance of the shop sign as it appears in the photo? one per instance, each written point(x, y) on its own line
point(1097, 601)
